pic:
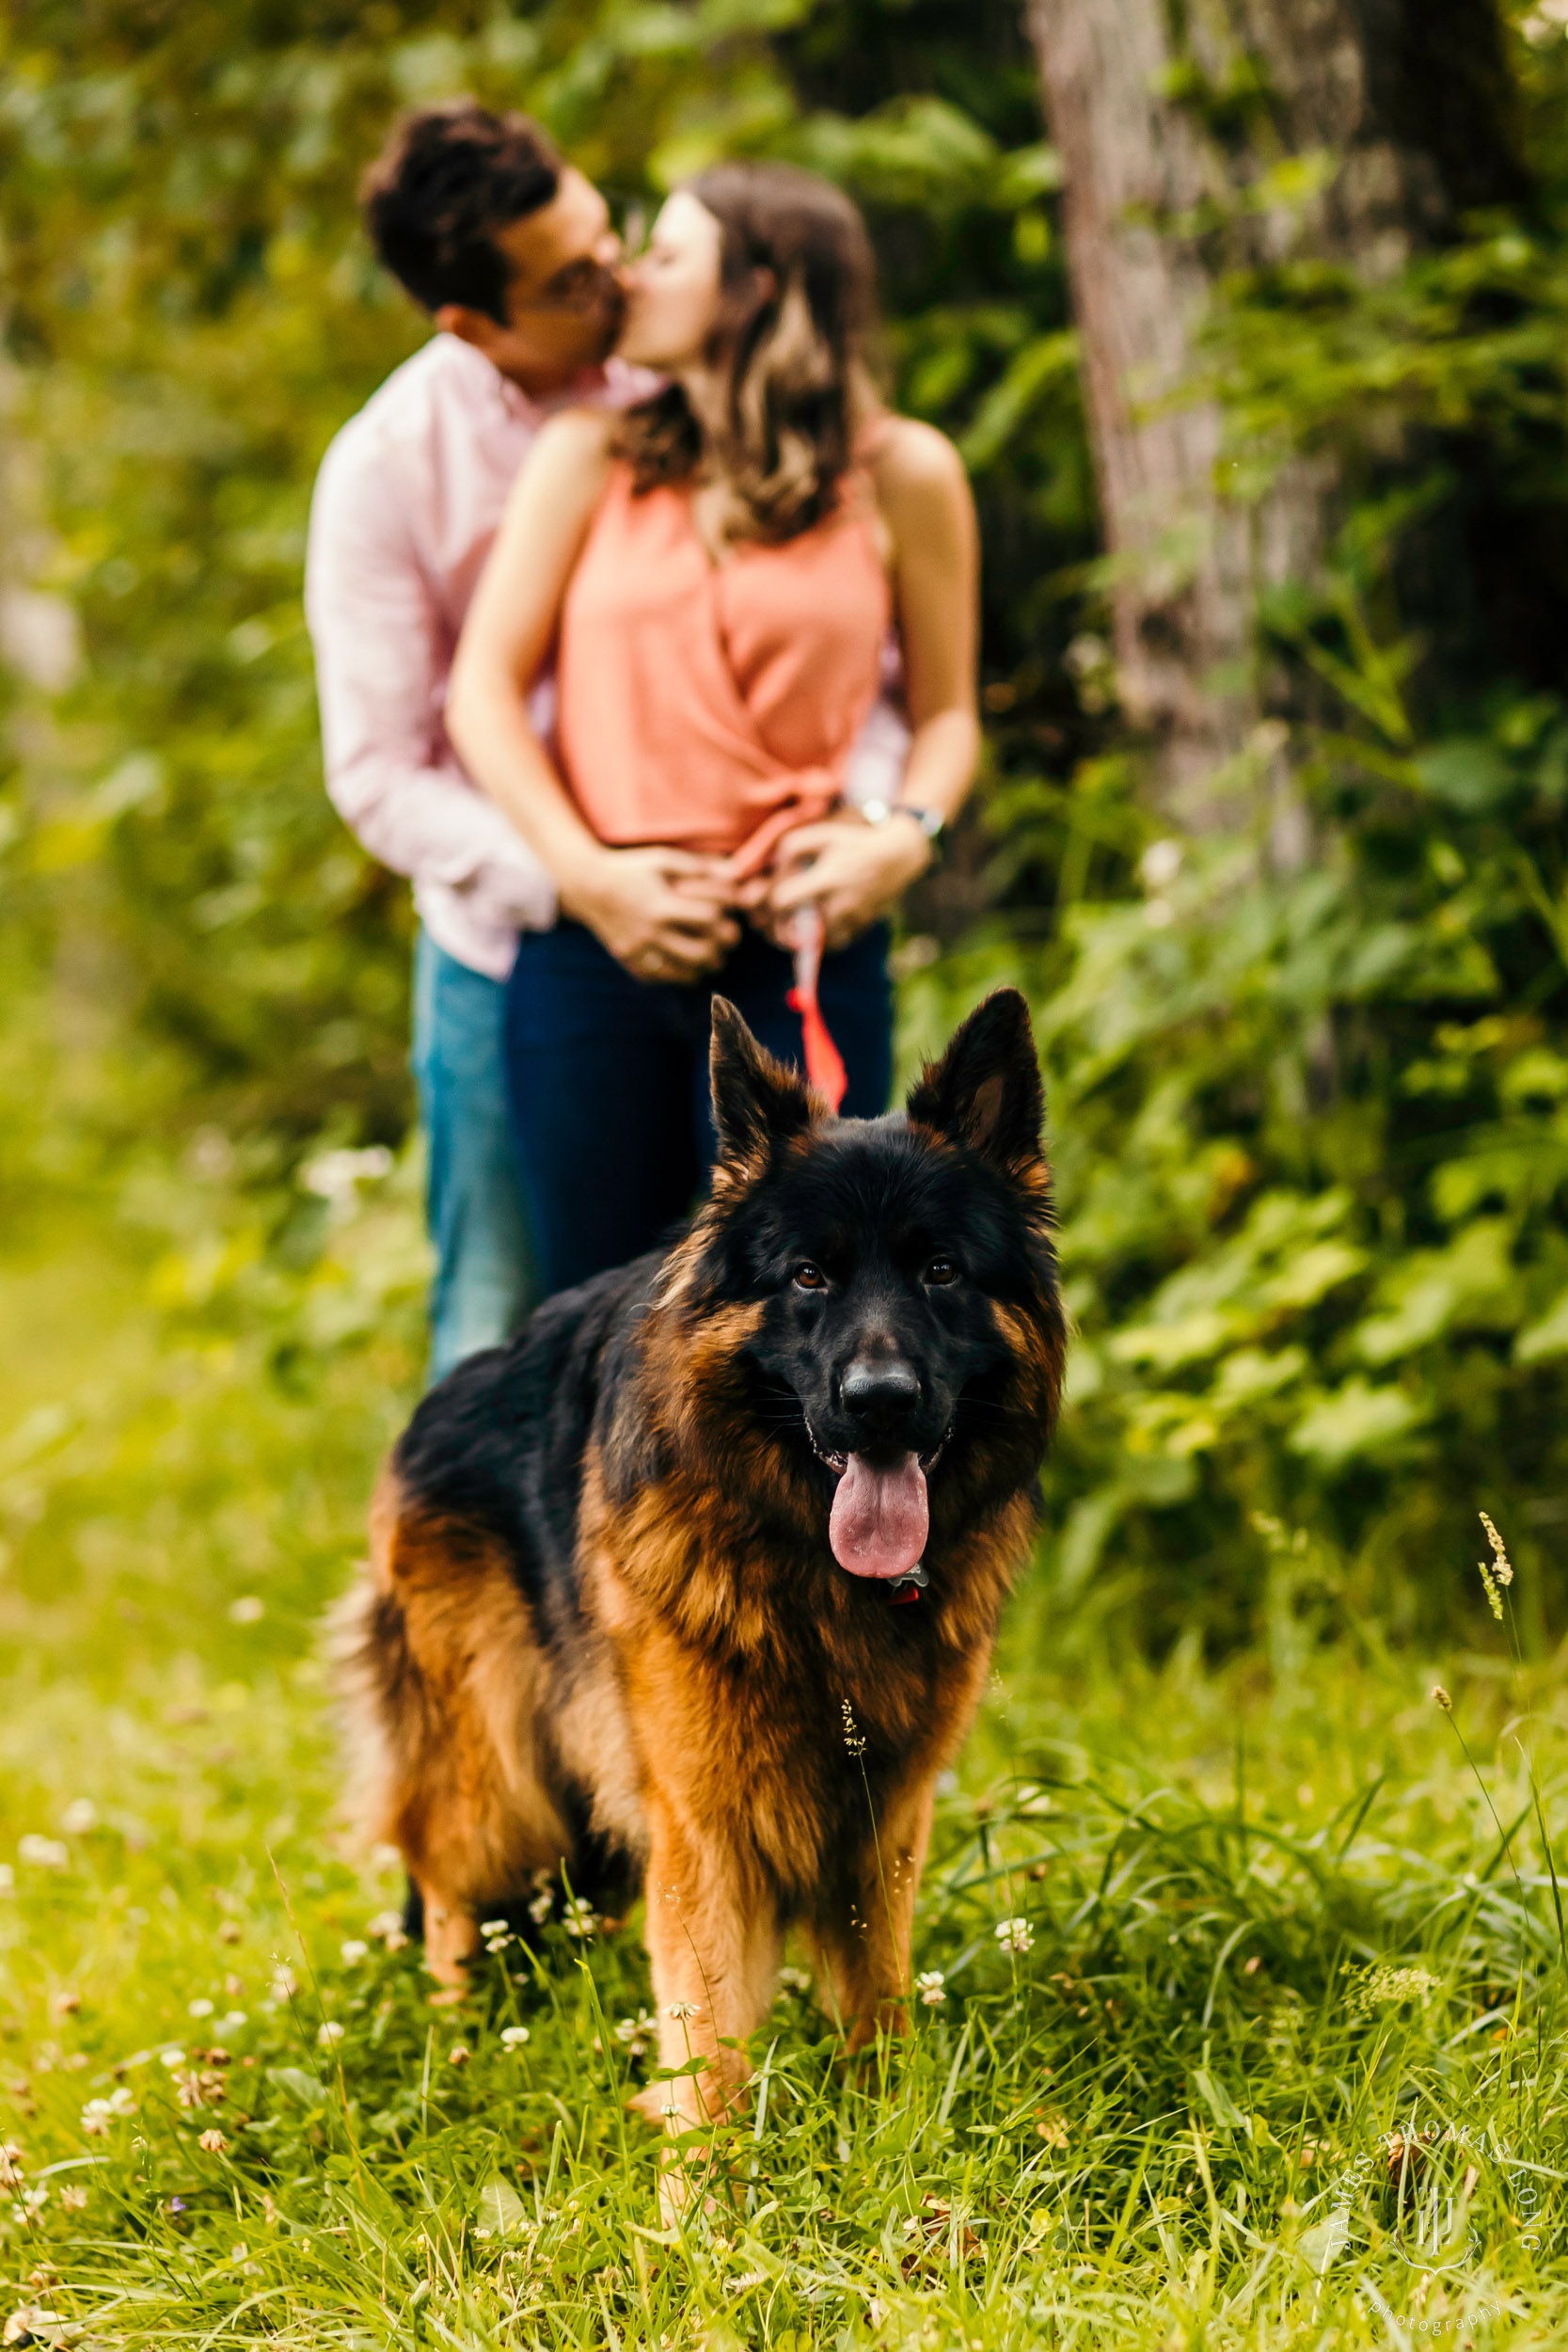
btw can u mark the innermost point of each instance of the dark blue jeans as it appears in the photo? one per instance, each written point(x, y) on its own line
point(607, 1080)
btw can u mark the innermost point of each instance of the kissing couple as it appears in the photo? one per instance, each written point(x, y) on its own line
point(645, 637)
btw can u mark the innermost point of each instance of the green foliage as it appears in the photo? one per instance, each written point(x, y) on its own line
point(1309, 1141)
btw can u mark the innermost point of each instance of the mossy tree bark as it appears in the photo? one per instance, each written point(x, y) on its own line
point(1168, 115)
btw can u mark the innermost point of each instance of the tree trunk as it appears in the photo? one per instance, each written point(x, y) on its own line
point(1162, 113)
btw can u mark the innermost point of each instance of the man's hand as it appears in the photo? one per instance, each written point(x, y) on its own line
point(854, 871)
point(664, 914)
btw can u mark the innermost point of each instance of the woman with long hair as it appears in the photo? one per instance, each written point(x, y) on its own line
point(717, 571)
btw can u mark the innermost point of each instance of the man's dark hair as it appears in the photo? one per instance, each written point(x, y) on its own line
point(447, 180)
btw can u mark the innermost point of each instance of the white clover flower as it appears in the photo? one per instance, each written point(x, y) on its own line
point(354, 1951)
point(459, 2053)
point(396, 1940)
point(247, 1609)
point(121, 2102)
point(79, 1817)
point(795, 1979)
point(285, 1984)
point(335, 1176)
point(231, 2021)
point(497, 1934)
point(931, 1987)
point(328, 2033)
point(540, 1908)
point(95, 2119)
point(198, 2009)
point(44, 1854)
point(671, 2112)
point(171, 2058)
point(679, 2009)
point(1015, 1935)
point(213, 2143)
point(73, 2197)
point(514, 2037)
point(637, 2033)
point(578, 1918)
point(384, 1923)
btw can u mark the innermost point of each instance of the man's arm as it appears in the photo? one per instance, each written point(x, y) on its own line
point(380, 643)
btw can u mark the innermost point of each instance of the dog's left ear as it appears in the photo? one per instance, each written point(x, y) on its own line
point(986, 1090)
point(756, 1102)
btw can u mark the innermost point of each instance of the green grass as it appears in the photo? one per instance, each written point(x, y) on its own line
point(1169, 2120)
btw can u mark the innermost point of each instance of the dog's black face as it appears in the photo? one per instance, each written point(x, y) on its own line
point(896, 1266)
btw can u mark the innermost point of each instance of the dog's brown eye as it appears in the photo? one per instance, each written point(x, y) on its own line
point(809, 1277)
point(942, 1270)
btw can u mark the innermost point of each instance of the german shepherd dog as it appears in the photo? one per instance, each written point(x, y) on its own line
point(637, 1579)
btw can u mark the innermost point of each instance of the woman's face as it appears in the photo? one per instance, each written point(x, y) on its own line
point(672, 288)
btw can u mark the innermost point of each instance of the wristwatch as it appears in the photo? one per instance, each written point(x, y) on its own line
point(882, 813)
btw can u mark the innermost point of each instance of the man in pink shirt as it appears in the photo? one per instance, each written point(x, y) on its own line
point(513, 255)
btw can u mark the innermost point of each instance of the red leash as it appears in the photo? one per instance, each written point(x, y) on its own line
point(824, 1063)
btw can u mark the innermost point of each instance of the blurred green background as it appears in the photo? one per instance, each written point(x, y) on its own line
point(1312, 1127)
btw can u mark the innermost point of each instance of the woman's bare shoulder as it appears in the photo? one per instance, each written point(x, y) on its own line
point(909, 456)
point(563, 477)
point(579, 438)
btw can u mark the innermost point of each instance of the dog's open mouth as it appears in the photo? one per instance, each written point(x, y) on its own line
point(880, 1519)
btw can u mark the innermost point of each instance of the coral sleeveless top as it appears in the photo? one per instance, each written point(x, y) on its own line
point(710, 705)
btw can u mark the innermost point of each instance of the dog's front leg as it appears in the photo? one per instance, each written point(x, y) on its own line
point(713, 1939)
point(863, 1934)
point(451, 1942)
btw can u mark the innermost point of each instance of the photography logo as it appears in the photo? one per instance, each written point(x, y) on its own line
point(1415, 2191)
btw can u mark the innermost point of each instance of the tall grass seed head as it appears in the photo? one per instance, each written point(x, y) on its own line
point(1502, 1567)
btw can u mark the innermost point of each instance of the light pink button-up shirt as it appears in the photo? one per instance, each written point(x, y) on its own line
point(407, 502)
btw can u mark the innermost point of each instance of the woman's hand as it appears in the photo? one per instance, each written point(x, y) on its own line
point(854, 871)
point(662, 913)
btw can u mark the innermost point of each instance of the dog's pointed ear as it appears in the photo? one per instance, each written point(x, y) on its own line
point(756, 1102)
point(985, 1093)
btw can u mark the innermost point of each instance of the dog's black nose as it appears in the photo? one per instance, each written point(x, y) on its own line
point(880, 1395)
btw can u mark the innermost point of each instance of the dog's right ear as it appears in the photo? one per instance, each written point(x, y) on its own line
point(757, 1102)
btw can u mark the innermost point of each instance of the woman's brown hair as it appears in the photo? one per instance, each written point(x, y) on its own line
point(798, 308)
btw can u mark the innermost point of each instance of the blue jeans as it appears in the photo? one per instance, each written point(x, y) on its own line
point(608, 1079)
point(486, 1277)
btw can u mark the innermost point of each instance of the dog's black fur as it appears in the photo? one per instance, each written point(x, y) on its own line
point(499, 1443)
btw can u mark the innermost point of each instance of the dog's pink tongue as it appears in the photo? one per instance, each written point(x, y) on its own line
point(880, 1517)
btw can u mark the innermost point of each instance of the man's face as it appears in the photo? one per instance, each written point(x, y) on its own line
point(563, 302)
